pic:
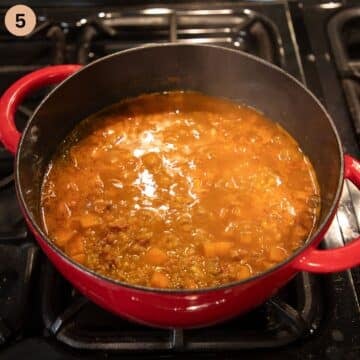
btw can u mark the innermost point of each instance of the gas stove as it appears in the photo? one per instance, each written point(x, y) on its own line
point(317, 317)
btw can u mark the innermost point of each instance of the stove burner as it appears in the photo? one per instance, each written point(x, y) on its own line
point(75, 321)
point(246, 30)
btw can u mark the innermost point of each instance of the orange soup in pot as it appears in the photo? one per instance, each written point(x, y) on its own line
point(179, 190)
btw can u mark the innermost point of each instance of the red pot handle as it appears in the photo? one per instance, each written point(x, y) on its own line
point(339, 259)
point(14, 95)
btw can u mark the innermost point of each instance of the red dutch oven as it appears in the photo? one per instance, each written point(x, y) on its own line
point(212, 70)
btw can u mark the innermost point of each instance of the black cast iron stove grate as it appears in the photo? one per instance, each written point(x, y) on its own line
point(75, 321)
point(16, 270)
point(344, 35)
point(44, 46)
point(246, 30)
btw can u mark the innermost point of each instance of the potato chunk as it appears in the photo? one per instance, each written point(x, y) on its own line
point(89, 220)
point(243, 273)
point(75, 246)
point(62, 236)
point(277, 254)
point(159, 280)
point(155, 256)
point(80, 258)
point(218, 248)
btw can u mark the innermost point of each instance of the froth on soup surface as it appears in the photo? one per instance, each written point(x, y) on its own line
point(179, 190)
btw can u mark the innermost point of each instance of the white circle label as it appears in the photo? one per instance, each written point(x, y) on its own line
point(20, 20)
